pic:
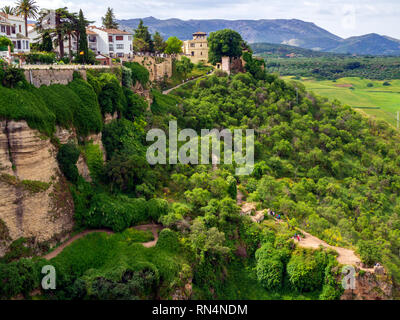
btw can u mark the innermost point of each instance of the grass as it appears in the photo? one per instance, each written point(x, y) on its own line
point(109, 255)
point(32, 186)
point(379, 102)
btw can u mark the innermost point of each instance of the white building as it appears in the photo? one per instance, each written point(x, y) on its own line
point(13, 27)
point(110, 42)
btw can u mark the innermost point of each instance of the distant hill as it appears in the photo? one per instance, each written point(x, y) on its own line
point(286, 32)
point(285, 51)
point(372, 44)
point(292, 32)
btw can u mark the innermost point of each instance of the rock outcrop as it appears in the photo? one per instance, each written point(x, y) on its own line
point(35, 202)
point(371, 285)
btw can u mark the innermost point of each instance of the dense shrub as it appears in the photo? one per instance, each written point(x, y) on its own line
point(87, 116)
point(370, 252)
point(111, 96)
point(135, 105)
point(116, 213)
point(270, 266)
point(306, 269)
point(139, 73)
point(67, 157)
point(157, 208)
point(168, 240)
point(41, 58)
point(26, 105)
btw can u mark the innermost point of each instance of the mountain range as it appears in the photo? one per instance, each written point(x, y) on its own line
point(292, 32)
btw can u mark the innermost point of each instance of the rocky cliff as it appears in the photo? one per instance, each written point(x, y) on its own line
point(35, 202)
point(371, 285)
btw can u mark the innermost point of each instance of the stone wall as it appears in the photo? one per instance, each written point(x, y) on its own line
point(158, 67)
point(39, 77)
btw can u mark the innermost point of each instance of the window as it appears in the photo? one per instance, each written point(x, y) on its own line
point(13, 29)
point(20, 30)
point(110, 38)
point(3, 29)
point(120, 46)
point(119, 38)
point(111, 47)
point(121, 55)
point(192, 53)
point(192, 45)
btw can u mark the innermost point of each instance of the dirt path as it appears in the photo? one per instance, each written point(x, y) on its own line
point(179, 85)
point(345, 257)
point(154, 229)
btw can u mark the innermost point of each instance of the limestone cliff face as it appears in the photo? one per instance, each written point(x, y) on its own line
point(35, 202)
point(371, 285)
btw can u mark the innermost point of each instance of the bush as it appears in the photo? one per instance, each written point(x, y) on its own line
point(168, 240)
point(305, 270)
point(41, 57)
point(157, 208)
point(104, 211)
point(270, 266)
point(135, 105)
point(12, 77)
point(139, 73)
point(111, 96)
point(369, 252)
point(87, 116)
point(27, 105)
point(67, 157)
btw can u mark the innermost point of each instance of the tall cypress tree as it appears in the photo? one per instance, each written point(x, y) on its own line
point(83, 41)
point(109, 19)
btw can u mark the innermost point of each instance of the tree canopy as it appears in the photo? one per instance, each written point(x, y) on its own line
point(224, 43)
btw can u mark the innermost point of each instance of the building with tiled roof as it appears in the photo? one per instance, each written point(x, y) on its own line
point(197, 48)
point(13, 27)
point(110, 42)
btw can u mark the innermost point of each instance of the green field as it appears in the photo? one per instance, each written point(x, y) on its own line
point(379, 101)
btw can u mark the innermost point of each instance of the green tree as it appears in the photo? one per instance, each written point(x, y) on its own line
point(184, 66)
point(4, 43)
point(8, 10)
point(83, 52)
point(207, 241)
point(108, 20)
point(47, 42)
point(142, 41)
point(174, 46)
point(224, 43)
point(159, 43)
point(28, 9)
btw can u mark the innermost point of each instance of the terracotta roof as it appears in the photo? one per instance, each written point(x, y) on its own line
point(110, 31)
point(88, 31)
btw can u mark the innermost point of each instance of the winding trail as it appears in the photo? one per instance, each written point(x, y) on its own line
point(345, 256)
point(154, 230)
point(181, 84)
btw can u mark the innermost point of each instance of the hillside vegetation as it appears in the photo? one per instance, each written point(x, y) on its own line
point(321, 165)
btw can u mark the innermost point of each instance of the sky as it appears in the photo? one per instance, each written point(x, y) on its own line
point(344, 18)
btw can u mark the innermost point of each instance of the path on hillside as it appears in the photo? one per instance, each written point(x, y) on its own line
point(154, 229)
point(345, 256)
point(179, 85)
